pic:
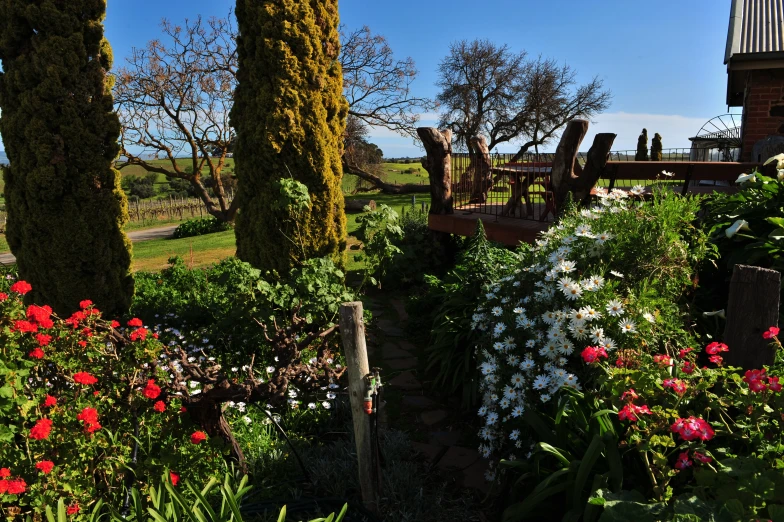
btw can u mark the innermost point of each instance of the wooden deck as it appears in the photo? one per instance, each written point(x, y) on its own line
point(507, 230)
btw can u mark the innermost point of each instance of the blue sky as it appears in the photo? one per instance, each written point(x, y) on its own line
point(663, 60)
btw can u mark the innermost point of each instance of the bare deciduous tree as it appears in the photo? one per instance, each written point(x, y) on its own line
point(489, 90)
point(378, 89)
point(173, 100)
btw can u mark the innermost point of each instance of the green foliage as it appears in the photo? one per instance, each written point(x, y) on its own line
point(199, 227)
point(449, 306)
point(378, 230)
point(65, 205)
point(141, 187)
point(289, 113)
point(171, 503)
point(220, 302)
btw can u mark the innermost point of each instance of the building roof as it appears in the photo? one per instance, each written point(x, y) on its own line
point(756, 28)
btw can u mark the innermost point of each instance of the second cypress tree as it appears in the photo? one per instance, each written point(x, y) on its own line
point(289, 113)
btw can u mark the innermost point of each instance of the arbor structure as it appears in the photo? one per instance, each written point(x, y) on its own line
point(65, 206)
point(289, 114)
point(173, 99)
point(486, 89)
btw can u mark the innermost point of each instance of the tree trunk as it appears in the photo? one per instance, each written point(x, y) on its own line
point(752, 308)
point(386, 188)
point(586, 179)
point(480, 165)
point(438, 164)
point(565, 157)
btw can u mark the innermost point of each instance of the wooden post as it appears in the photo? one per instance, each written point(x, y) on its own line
point(352, 331)
point(753, 307)
point(438, 164)
point(480, 165)
point(582, 184)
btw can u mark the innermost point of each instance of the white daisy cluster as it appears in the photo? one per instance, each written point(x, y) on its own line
point(537, 321)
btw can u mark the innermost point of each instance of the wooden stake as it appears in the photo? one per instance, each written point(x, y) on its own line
point(352, 331)
point(753, 307)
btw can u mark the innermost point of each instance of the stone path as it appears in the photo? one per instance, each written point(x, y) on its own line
point(438, 440)
point(135, 236)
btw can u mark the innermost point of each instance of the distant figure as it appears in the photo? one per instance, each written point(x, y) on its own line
point(642, 147)
point(656, 148)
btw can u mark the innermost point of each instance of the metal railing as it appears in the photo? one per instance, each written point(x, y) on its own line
point(500, 187)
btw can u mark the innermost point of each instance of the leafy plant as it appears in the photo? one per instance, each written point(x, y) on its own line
point(199, 227)
point(378, 230)
point(449, 306)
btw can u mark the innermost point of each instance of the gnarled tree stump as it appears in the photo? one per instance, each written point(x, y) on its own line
point(438, 164)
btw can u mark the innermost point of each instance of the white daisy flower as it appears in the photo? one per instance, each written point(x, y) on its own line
point(590, 313)
point(637, 190)
point(583, 230)
point(603, 237)
point(492, 418)
point(541, 382)
point(616, 274)
point(566, 348)
point(614, 308)
point(573, 292)
point(567, 266)
point(497, 311)
point(527, 364)
point(482, 411)
point(627, 326)
point(530, 343)
point(649, 317)
point(498, 329)
point(597, 335)
point(519, 311)
point(550, 350)
point(514, 435)
point(580, 332)
point(518, 380)
point(516, 412)
point(608, 344)
point(505, 403)
point(545, 397)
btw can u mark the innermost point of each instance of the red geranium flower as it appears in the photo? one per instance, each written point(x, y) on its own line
point(692, 428)
point(135, 322)
point(5, 473)
point(23, 326)
point(683, 461)
point(591, 354)
point(688, 367)
point(160, 406)
point(49, 401)
point(85, 304)
point(43, 339)
point(21, 287)
point(198, 437)
point(676, 385)
point(716, 359)
point(3, 487)
point(88, 415)
point(37, 353)
point(16, 486)
point(3, 296)
point(139, 334)
point(773, 384)
point(714, 348)
point(175, 478)
point(682, 353)
point(115, 324)
point(83, 344)
point(87, 332)
point(771, 332)
point(76, 318)
point(72, 509)
point(45, 466)
point(84, 378)
point(40, 315)
point(152, 390)
point(41, 429)
point(629, 395)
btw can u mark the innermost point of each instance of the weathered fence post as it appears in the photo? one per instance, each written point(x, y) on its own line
point(481, 166)
point(352, 331)
point(753, 307)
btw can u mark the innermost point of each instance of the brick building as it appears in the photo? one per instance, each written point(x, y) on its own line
point(755, 69)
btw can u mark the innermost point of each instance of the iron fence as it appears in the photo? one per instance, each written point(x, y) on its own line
point(507, 185)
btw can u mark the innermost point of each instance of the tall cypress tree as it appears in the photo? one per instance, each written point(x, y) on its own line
point(65, 206)
point(289, 113)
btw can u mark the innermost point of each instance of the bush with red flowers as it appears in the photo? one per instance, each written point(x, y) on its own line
point(97, 407)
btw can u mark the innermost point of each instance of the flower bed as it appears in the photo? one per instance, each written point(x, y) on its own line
point(592, 388)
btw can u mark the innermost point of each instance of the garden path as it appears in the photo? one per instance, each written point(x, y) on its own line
point(435, 424)
point(135, 236)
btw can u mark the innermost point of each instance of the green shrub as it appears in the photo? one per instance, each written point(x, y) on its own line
point(289, 113)
point(199, 227)
point(449, 306)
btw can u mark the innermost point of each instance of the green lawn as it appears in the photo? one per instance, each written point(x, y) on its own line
point(196, 251)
